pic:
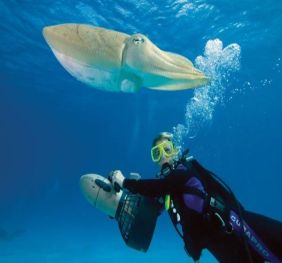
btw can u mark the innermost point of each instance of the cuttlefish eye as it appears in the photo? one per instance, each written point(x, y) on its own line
point(138, 40)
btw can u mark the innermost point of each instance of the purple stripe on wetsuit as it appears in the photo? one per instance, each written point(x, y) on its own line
point(192, 201)
point(253, 240)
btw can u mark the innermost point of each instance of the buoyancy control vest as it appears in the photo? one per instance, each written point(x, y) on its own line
point(220, 202)
point(218, 198)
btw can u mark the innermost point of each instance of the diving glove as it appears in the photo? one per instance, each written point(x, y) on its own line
point(116, 177)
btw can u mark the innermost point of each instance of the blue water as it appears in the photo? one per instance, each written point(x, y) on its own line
point(53, 129)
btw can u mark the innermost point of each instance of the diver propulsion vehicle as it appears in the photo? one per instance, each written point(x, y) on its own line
point(136, 215)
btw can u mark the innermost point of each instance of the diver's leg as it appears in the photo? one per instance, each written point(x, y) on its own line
point(229, 248)
point(268, 229)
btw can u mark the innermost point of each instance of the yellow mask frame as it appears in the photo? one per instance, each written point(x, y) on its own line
point(165, 148)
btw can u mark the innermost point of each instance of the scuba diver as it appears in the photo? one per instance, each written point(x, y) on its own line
point(204, 210)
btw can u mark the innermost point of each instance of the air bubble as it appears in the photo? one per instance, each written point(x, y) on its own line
point(218, 64)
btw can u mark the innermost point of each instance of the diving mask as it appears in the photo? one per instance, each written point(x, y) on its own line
point(165, 148)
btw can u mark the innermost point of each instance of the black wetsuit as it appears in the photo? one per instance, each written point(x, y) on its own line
point(202, 232)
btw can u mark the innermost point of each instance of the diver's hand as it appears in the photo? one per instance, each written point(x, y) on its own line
point(116, 177)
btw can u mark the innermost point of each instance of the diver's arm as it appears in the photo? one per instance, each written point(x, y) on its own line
point(157, 187)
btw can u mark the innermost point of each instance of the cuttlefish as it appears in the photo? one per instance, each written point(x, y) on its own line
point(114, 61)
